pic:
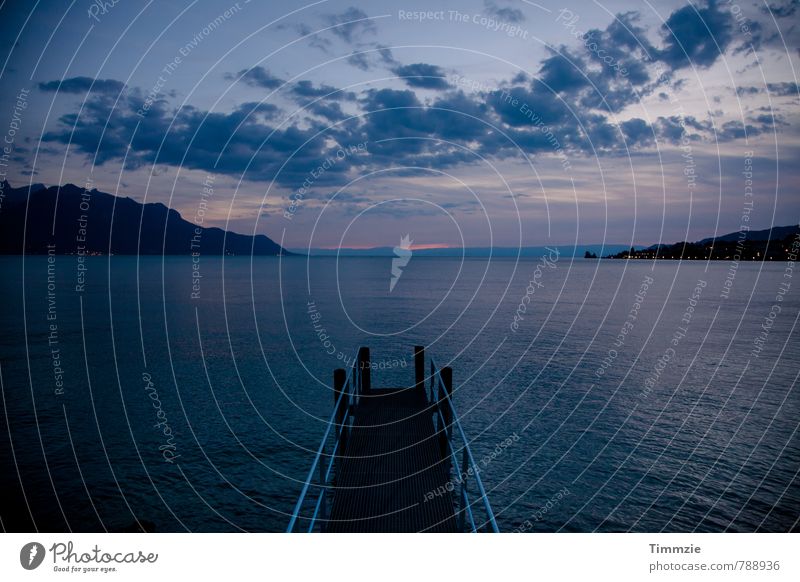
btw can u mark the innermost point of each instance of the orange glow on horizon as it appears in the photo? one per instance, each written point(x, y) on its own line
point(414, 247)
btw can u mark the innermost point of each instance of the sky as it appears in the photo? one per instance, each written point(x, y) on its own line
point(469, 123)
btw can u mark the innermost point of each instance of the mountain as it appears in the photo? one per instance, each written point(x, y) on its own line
point(84, 225)
point(778, 243)
point(774, 233)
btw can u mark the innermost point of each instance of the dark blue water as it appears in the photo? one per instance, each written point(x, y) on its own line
point(678, 420)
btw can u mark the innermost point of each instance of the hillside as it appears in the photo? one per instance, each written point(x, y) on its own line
point(772, 244)
point(95, 222)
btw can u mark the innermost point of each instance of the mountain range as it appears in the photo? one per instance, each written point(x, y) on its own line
point(94, 222)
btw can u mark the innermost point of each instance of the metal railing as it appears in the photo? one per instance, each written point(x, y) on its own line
point(347, 393)
point(441, 391)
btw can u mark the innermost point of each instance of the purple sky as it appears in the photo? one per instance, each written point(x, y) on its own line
point(480, 122)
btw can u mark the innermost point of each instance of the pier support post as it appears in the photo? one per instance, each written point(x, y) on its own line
point(419, 369)
point(364, 369)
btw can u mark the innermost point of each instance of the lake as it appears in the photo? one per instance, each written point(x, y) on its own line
point(640, 396)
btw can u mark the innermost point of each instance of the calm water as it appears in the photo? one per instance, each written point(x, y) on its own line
point(675, 421)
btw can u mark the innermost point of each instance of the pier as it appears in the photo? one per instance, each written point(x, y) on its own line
point(393, 459)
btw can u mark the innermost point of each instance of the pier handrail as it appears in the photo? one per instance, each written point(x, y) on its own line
point(351, 390)
point(442, 391)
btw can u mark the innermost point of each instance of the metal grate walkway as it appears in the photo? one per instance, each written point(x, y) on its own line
point(389, 468)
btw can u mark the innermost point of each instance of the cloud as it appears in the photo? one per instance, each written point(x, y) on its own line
point(256, 77)
point(568, 108)
point(422, 75)
point(783, 9)
point(696, 36)
point(784, 89)
point(637, 132)
point(351, 23)
point(504, 13)
point(330, 111)
point(622, 46)
point(82, 85)
point(359, 60)
point(306, 90)
point(564, 72)
point(196, 139)
point(366, 59)
point(314, 40)
point(607, 70)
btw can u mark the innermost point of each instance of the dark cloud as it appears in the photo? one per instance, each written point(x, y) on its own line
point(742, 91)
point(359, 60)
point(696, 36)
point(330, 111)
point(256, 77)
point(306, 90)
point(315, 40)
point(637, 132)
point(504, 13)
point(608, 70)
point(621, 50)
point(422, 75)
point(195, 139)
point(564, 72)
point(785, 89)
point(266, 111)
point(456, 117)
point(520, 107)
point(351, 23)
point(83, 84)
point(769, 120)
point(732, 130)
point(372, 55)
point(783, 9)
point(566, 109)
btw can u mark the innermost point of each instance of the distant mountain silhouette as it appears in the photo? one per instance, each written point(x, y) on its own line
point(774, 233)
point(145, 229)
point(771, 244)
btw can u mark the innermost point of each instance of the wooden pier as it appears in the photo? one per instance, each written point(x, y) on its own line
point(387, 462)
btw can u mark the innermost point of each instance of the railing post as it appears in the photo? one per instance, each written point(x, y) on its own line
point(462, 518)
point(433, 373)
point(447, 380)
point(419, 369)
point(364, 369)
point(341, 402)
point(464, 473)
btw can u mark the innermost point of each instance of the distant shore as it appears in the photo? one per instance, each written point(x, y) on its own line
point(784, 249)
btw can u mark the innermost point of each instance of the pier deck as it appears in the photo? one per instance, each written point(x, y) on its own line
point(390, 462)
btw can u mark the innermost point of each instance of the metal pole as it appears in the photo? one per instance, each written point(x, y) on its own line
point(364, 369)
point(419, 369)
point(339, 377)
point(447, 380)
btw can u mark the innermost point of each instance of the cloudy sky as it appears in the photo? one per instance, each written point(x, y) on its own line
point(472, 123)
